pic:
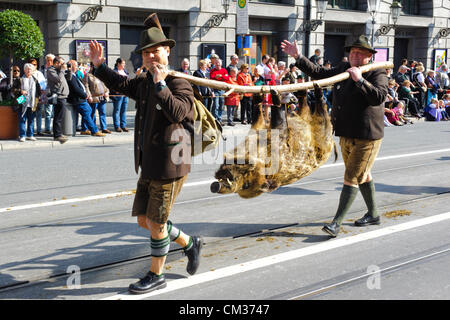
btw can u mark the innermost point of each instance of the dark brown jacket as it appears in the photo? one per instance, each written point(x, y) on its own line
point(161, 145)
point(358, 109)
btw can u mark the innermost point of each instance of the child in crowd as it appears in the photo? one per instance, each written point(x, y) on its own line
point(288, 99)
point(431, 111)
point(446, 99)
point(441, 106)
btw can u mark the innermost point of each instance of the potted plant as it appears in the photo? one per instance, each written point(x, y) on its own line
point(20, 38)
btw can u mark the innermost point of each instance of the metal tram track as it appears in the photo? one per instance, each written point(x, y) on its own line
point(355, 278)
point(176, 254)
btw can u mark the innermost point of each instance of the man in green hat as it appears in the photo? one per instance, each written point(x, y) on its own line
point(358, 119)
point(161, 147)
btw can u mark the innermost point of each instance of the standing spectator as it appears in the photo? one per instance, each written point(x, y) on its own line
point(232, 100)
point(185, 67)
point(234, 60)
point(213, 58)
point(206, 92)
point(257, 77)
point(443, 80)
point(292, 74)
point(244, 79)
point(58, 86)
point(28, 87)
point(419, 83)
point(120, 102)
point(315, 57)
point(264, 59)
point(48, 107)
point(218, 74)
point(78, 98)
point(97, 96)
point(433, 86)
point(43, 85)
point(389, 74)
point(282, 71)
point(402, 74)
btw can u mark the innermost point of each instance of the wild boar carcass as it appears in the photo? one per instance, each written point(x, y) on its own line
point(291, 147)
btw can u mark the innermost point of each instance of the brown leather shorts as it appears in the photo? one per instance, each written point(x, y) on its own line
point(154, 198)
point(359, 156)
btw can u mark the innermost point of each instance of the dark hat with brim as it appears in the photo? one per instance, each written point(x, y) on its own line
point(363, 43)
point(153, 36)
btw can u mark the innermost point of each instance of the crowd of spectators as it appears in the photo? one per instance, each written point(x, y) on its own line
point(412, 93)
point(43, 92)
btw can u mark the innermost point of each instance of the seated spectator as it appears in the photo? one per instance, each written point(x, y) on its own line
point(392, 117)
point(232, 100)
point(446, 99)
point(432, 111)
point(78, 98)
point(405, 93)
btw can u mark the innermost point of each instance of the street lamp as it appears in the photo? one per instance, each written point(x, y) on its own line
point(217, 19)
point(373, 7)
point(396, 8)
point(311, 25)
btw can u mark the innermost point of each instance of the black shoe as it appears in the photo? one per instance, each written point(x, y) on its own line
point(231, 124)
point(147, 284)
point(367, 220)
point(332, 229)
point(193, 255)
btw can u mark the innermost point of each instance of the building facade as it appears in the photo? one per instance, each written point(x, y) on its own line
point(67, 26)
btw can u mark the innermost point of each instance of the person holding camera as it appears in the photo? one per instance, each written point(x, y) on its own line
point(58, 92)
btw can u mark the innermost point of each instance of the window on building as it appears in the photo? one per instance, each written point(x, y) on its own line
point(344, 4)
point(275, 1)
point(411, 7)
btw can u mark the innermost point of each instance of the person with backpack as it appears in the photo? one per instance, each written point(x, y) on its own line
point(162, 152)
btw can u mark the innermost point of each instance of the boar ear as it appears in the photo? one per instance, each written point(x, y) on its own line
point(270, 185)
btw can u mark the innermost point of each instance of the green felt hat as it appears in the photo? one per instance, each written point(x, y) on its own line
point(363, 43)
point(154, 35)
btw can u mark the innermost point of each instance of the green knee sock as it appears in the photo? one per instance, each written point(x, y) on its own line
point(368, 192)
point(348, 194)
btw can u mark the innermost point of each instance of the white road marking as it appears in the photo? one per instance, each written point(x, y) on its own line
point(282, 257)
point(188, 184)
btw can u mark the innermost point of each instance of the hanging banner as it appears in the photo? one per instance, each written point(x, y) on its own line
point(242, 17)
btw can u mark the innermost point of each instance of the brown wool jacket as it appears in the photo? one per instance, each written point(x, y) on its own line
point(358, 108)
point(161, 145)
point(94, 87)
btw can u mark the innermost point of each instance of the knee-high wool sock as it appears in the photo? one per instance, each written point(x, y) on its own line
point(346, 199)
point(368, 192)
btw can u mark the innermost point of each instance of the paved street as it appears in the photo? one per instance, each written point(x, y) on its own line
point(269, 247)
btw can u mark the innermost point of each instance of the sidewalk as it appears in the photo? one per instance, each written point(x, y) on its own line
point(109, 139)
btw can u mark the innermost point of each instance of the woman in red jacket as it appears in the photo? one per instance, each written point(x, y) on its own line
point(245, 79)
point(232, 101)
point(219, 74)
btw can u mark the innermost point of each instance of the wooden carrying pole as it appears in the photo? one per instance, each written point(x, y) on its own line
point(280, 88)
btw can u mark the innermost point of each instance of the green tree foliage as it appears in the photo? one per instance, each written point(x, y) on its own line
point(20, 37)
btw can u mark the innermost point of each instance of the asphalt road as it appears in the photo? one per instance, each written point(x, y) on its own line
point(269, 247)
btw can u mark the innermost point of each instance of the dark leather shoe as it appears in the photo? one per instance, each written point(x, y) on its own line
point(147, 284)
point(332, 229)
point(193, 255)
point(367, 220)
